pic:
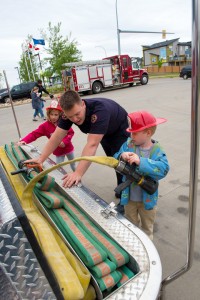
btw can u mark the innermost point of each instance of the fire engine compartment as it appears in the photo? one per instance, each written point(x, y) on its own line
point(144, 259)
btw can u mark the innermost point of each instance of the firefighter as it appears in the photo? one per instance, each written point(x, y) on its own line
point(105, 122)
point(42, 89)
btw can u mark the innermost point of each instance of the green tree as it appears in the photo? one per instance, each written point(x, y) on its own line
point(29, 66)
point(160, 62)
point(60, 49)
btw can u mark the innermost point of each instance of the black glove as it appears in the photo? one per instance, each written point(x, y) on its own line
point(51, 96)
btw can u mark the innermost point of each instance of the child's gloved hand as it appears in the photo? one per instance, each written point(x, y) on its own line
point(51, 96)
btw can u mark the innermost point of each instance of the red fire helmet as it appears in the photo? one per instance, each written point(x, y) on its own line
point(141, 120)
point(54, 105)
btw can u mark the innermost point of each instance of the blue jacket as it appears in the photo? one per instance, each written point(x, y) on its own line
point(36, 101)
point(156, 167)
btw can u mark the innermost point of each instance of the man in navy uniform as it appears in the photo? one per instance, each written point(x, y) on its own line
point(42, 88)
point(105, 122)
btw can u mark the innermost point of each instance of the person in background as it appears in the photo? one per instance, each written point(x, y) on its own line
point(47, 128)
point(36, 104)
point(42, 89)
point(150, 160)
point(105, 122)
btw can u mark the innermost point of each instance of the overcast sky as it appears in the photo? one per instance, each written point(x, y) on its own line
point(92, 24)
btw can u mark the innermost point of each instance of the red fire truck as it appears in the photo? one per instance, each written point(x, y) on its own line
point(110, 72)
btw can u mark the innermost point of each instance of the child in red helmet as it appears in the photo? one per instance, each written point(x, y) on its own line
point(150, 160)
point(47, 128)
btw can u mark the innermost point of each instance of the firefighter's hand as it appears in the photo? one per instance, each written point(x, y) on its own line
point(62, 145)
point(35, 160)
point(70, 179)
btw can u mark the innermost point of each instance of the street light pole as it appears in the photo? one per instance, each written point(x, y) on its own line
point(118, 31)
point(18, 74)
point(103, 49)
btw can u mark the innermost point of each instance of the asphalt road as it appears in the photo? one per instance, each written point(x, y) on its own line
point(169, 98)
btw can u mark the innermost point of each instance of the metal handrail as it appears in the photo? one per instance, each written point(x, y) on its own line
point(194, 149)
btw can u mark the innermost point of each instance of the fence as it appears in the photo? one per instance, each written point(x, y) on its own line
point(164, 69)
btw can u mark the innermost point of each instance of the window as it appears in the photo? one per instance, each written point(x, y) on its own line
point(125, 62)
point(16, 88)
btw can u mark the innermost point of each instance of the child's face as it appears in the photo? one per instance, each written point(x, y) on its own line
point(141, 137)
point(54, 115)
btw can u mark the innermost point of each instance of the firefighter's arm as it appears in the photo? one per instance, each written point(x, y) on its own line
point(50, 146)
point(90, 149)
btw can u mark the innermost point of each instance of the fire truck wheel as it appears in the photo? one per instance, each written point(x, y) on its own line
point(96, 87)
point(144, 79)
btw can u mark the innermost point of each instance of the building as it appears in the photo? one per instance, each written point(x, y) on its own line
point(168, 53)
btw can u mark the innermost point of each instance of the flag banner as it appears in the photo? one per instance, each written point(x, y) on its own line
point(38, 42)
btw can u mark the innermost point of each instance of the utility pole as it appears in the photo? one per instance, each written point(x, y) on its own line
point(118, 35)
point(163, 32)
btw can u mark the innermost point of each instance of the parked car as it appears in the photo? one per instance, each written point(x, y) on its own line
point(2, 90)
point(186, 72)
point(21, 90)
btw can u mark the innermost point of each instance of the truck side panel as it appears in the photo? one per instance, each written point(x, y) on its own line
point(83, 81)
point(107, 75)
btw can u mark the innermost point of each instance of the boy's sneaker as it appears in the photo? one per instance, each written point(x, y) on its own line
point(34, 119)
point(120, 209)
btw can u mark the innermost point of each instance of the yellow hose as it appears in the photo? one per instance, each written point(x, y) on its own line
point(63, 263)
point(103, 160)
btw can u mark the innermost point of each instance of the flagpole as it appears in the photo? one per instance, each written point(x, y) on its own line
point(31, 65)
point(40, 42)
point(24, 55)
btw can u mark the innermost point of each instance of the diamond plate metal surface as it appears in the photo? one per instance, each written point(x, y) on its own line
point(146, 284)
point(19, 266)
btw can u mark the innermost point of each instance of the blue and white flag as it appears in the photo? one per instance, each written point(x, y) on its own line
point(38, 42)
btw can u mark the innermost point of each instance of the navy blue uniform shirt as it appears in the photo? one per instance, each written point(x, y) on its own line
point(103, 116)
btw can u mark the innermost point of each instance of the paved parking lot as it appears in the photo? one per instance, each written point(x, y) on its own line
point(169, 98)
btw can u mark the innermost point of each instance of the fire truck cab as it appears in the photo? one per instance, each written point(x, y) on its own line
point(95, 75)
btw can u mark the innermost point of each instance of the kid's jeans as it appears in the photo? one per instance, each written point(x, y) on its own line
point(70, 156)
point(37, 112)
point(136, 213)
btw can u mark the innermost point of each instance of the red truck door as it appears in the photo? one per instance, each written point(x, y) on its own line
point(126, 69)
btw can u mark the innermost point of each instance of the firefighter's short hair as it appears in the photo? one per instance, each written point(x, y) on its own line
point(69, 99)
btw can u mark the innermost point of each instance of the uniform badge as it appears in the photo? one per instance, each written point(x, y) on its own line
point(93, 118)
